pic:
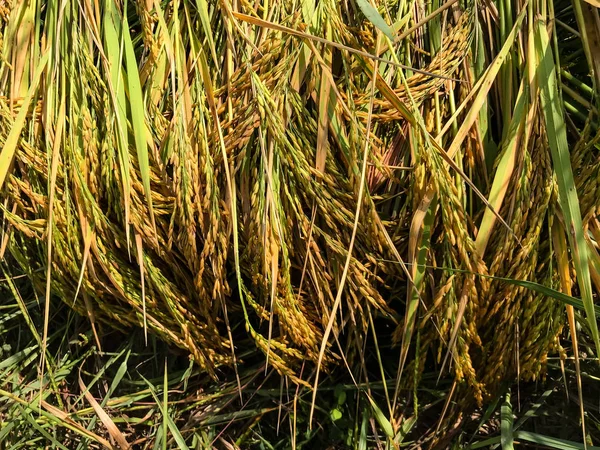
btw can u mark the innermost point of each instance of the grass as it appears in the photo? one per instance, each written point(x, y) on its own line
point(132, 383)
point(285, 224)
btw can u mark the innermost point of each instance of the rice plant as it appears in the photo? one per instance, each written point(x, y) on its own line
point(387, 204)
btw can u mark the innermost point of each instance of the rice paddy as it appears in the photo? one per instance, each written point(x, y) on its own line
point(299, 224)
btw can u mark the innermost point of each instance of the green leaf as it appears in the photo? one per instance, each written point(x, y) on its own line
point(362, 440)
point(137, 109)
point(557, 139)
point(374, 17)
point(117, 378)
point(485, 443)
point(506, 424)
point(34, 425)
point(383, 422)
point(165, 405)
point(421, 218)
point(168, 419)
point(551, 442)
point(335, 414)
point(486, 416)
point(202, 6)
point(504, 171)
point(407, 425)
point(112, 30)
point(10, 145)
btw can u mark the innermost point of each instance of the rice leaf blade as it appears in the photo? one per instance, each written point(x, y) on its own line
point(137, 109)
point(569, 202)
point(374, 17)
point(12, 140)
point(506, 425)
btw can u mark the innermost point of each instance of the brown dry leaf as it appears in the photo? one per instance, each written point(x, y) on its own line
point(595, 3)
point(65, 418)
point(112, 429)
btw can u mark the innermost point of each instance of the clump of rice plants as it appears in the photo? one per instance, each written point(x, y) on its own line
point(383, 188)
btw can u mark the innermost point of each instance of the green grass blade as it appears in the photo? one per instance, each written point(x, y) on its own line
point(112, 27)
point(169, 420)
point(557, 139)
point(504, 171)
point(138, 120)
point(54, 415)
point(381, 419)
point(362, 440)
point(506, 424)
point(486, 83)
point(485, 443)
point(418, 274)
point(10, 145)
point(202, 6)
point(550, 442)
point(165, 406)
point(374, 17)
point(34, 425)
point(406, 427)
